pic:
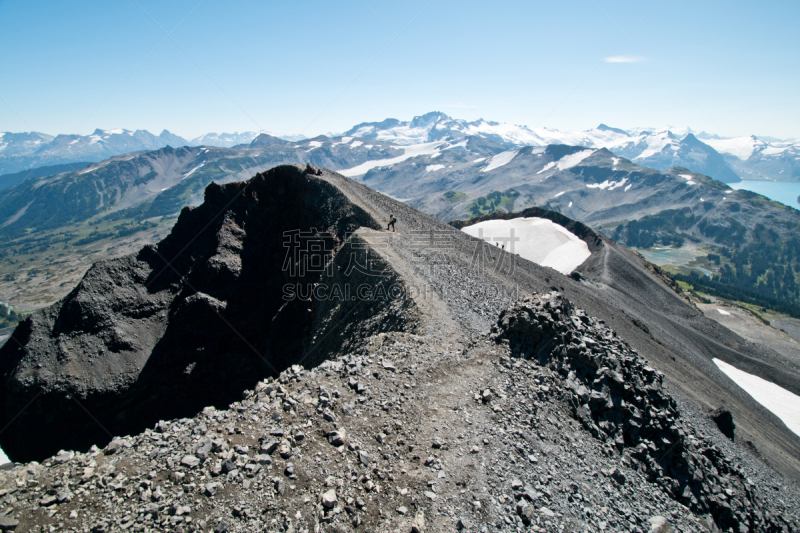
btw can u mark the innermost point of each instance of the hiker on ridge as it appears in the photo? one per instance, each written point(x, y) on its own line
point(392, 220)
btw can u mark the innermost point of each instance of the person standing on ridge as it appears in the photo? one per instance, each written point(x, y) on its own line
point(392, 220)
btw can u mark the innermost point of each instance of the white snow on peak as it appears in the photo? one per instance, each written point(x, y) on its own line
point(433, 168)
point(774, 150)
point(500, 159)
point(688, 178)
point(740, 147)
point(356, 144)
point(314, 144)
point(117, 131)
point(413, 150)
point(656, 143)
point(569, 161)
point(783, 403)
point(462, 144)
point(610, 185)
point(536, 239)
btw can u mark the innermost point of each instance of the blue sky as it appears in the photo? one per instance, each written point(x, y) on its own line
point(311, 67)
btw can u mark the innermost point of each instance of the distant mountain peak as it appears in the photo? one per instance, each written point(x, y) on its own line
point(265, 139)
point(603, 127)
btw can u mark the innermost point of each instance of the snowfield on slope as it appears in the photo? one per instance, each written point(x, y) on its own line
point(410, 151)
point(535, 239)
point(740, 147)
point(500, 160)
point(783, 404)
point(569, 161)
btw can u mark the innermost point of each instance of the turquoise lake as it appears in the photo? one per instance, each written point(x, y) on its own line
point(781, 191)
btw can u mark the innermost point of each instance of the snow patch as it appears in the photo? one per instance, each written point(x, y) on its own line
point(536, 239)
point(610, 185)
point(559, 194)
point(433, 168)
point(723, 312)
point(547, 167)
point(314, 145)
point(479, 160)
point(409, 152)
point(462, 144)
point(783, 403)
point(355, 144)
point(193, 170)
point(500, 159)
point(628, 186)
point(569, 161)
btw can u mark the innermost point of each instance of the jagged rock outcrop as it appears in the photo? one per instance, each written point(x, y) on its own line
point(190, 322)
point(621, 400)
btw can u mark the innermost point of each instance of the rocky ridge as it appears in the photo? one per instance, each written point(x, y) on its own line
point(150, 335)
point(405, 404)
point(621, 401)
point(407, 433)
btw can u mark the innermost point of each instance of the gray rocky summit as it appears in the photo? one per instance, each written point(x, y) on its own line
point(475, 398)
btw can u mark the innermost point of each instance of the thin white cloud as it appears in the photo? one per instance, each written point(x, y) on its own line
point(623, 59)
point(460, 105)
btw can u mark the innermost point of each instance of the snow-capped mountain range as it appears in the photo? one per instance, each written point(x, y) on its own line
point(727, 160)
point(23, 151)
point(662, 148)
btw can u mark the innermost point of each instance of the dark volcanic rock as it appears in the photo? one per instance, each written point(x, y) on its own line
point(396, 414)
point(724, 421)
point(179, 326)
point(621, 400)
